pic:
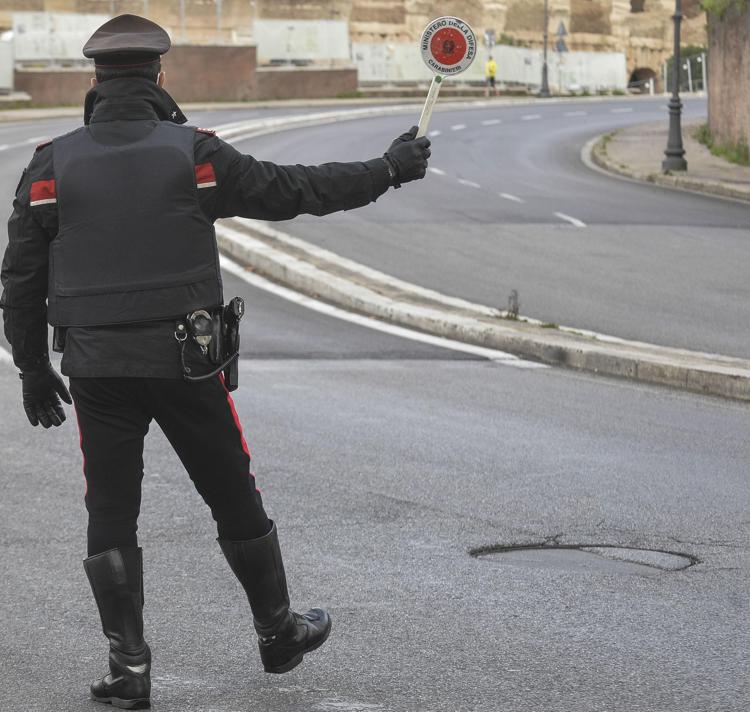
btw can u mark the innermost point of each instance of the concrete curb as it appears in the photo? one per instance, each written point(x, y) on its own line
point(596, 153)
point(322, 274)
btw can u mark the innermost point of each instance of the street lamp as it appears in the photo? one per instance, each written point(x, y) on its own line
point(675, 153)
point(544, 91)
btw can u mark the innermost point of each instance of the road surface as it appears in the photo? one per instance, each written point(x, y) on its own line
point(385, 461)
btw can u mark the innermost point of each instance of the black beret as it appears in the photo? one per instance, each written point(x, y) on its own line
point(127, 40)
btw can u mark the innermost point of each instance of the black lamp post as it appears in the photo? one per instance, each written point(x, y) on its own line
point(544, 91)
point(675, 153)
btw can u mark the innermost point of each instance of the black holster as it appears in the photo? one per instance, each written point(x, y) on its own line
point(218, 335)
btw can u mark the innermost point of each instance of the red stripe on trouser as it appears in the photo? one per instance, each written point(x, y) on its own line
point(237, 423)
point(80, 444)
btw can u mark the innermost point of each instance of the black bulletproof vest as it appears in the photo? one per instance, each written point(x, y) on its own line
point(133, 243)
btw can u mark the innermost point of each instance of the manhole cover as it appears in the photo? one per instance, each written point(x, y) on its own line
point(592, 558)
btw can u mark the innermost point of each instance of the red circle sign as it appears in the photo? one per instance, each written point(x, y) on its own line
point(448, 46)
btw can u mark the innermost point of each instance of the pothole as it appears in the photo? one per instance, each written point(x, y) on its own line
point(589, 558)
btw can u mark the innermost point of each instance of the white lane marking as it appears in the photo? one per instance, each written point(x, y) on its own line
point(436, 171)
point(458, 127)
point(4, 147)
point(34, 139)
point(620, 111)
point(434, 133)
point(5, 356)
point(470, 183)
point(329, 310)
point(575, 113)
point(491, 122)
point(513, 198)
point(572, 221)
point(531, 117)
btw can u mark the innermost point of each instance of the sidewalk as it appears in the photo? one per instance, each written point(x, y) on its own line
point(637, 152)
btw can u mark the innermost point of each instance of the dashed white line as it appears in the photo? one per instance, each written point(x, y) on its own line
point(458, 127)
point(436, 171)
point(531, 117)
point(575, 113)
point(470, 183)
point(34, 139)
point(434, 133)
point(620, 111)
point(572, 221)
point(491, 122)
point(328, 309)
point(4, 147)
point(513, 198)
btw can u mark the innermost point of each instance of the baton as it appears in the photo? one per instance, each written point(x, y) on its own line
point(429, 105)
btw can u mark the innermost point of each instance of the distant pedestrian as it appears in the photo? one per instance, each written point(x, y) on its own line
point(490, 72)
point(111, 241)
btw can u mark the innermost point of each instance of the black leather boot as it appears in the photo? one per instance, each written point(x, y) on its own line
point(283, 635)
point(116, 578)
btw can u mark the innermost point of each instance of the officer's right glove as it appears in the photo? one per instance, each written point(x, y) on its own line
point(407, 157)
point(42, 390)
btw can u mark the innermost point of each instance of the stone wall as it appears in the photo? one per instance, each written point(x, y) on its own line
point(205, 73)
point(201, 73)
point(729, 77)
point(47, 88)
point(305, 83)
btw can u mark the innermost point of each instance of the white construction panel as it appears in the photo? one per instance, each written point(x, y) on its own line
point(309, 40)
point(44, 36)
point(6, 66)
point(401, 62)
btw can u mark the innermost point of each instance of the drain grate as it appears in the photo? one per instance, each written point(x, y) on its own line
point(591, 558)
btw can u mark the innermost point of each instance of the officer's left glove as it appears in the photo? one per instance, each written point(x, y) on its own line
point(407, 157)
point(42, 389)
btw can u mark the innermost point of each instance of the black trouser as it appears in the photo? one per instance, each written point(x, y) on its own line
point(200, 422)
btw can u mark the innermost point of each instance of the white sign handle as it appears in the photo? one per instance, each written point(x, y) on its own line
point(429, 105)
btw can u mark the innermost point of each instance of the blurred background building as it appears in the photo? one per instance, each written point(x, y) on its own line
point(595, 44)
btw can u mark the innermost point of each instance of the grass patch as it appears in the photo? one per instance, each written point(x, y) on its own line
point(738, 153)
point(356, 94)
point(720, 7)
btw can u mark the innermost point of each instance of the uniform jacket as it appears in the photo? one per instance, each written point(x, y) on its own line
point(122, 111)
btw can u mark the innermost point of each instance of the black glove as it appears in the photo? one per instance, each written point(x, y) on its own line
point(41, 388)
point(407, 157)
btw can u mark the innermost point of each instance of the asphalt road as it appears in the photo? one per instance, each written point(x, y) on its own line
point(384, 461)
point(650, 264)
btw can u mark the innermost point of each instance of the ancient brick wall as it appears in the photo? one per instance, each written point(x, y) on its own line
point(594, 25)
point(729, 77)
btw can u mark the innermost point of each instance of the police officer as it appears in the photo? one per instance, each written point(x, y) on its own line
point(111, 241)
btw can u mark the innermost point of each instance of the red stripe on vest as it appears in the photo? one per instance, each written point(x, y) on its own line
point(204, 173)
point(42, 190)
